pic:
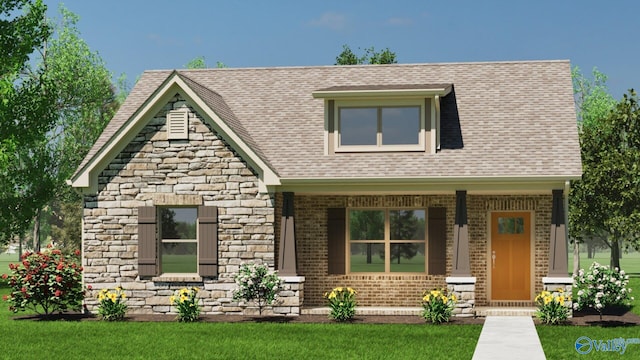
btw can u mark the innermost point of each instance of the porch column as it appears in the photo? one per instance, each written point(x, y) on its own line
point(558, 239)
point(460, 265)
point(287, 265)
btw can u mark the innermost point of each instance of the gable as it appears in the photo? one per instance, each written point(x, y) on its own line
point(120, 133)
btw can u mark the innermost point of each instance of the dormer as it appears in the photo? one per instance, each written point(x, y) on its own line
point(382, 118)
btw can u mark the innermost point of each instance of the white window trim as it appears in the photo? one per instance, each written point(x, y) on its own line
point(387, 241)
point(421, 146)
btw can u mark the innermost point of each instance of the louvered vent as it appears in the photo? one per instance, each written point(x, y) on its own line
point(178, 124)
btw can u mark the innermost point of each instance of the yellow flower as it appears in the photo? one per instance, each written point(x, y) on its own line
point(101, 296)
point(427, 297)
point(332, 295)
point(338, 289)
point(183, 298)
point(119, 288)
point(113, 297)
point(103, 291)
point(453, 298)
point(560, 299)
point(124, 296)
point(547, 300)
point(443, 298)
point(172, 299)
point(435, 292)
point(560, 290)
point(196, 289)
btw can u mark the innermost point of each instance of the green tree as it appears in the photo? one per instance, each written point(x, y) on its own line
point(76, 113)
point(199, 63)
point(606, 201)
point(27, 115)
point(593, 102)
point(370, 56)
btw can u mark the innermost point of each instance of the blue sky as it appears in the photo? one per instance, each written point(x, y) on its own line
point(135, 35)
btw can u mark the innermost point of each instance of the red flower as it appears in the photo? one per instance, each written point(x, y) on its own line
point(89, 287)
point(5, 276)
point(5, 297)
point(77, 252)
point(49, 245)
point(28, 277)
point(23, 290)
point(58, 278)
point(12, 266)
point(58, 293)
point(56, 252)
point(26, 264)
point(60, 266)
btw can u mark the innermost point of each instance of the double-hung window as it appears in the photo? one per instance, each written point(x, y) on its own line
point(179, 240)
point(387, 240)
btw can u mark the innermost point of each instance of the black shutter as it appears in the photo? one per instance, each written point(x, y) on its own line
point(208, 241)
point(437, 240)
point(336, 229)
point(147, 242)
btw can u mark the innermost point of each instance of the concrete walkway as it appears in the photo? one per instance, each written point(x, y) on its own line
point(508, 337)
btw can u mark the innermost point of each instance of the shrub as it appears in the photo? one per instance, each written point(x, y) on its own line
point(256, 283)
point(186, 301)
point(112, 305)
point(437, 306)
point(342, 302)
point(45, 282)
point(552, 307)
point(601, 287)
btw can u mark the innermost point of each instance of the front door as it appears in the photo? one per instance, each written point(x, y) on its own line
point(510, 256)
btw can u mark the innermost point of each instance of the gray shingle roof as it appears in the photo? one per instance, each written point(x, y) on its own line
point(504, 119)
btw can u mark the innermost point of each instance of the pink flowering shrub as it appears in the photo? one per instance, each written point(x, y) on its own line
point(45, 282)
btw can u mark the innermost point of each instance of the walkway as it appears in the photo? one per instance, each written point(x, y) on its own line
point(508, 337)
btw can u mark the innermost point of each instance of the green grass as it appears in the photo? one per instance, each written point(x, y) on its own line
point(359, 264)
point(630, 262)
point(26, 339)
point(5, 260)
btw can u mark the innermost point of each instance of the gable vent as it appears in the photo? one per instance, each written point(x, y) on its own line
point(178, 124)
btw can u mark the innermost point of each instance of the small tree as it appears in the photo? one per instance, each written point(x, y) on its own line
point(370, 56)
point(256, 283)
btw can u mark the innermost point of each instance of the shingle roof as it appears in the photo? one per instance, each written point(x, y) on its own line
point(503, 119)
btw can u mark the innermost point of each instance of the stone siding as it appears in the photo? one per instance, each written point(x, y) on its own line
point(153, 171)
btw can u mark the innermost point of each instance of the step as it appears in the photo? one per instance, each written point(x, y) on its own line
point(367, 310)
point(484, 311)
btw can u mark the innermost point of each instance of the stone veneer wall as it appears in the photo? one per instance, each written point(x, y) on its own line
point(152, 170)
point(406, 290)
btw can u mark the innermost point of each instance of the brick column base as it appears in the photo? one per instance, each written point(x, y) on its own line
point(464, 288)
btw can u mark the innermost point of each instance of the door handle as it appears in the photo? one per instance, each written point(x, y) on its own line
point(493, 259)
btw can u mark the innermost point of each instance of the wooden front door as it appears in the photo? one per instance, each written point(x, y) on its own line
point(510, 256)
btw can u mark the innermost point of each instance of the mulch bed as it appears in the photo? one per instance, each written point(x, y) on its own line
point(583, 318)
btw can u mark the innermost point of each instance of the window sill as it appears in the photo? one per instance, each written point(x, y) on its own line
point(177, 277)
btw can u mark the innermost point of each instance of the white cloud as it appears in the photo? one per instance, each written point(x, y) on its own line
point(330, 20)
point(399, 21)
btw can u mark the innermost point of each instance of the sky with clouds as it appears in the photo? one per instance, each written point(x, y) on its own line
point(136, 35)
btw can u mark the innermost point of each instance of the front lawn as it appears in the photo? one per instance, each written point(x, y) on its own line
point(27, 339)
point(559, 342)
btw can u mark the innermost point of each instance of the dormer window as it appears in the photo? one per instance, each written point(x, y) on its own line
point(382, 118)
point(379, 125)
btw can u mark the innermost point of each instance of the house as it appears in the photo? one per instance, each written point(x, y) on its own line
point(391, 179)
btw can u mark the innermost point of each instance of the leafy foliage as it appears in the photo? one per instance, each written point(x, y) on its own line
point(187, 303)
point(256, 283)
point(552, 306)
point(601, 287)
point(49, 118)
point(437, 306)
point(45, 281)
point(112, 306)
point(342, 301)
point(370, 56)
point(606, 202)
